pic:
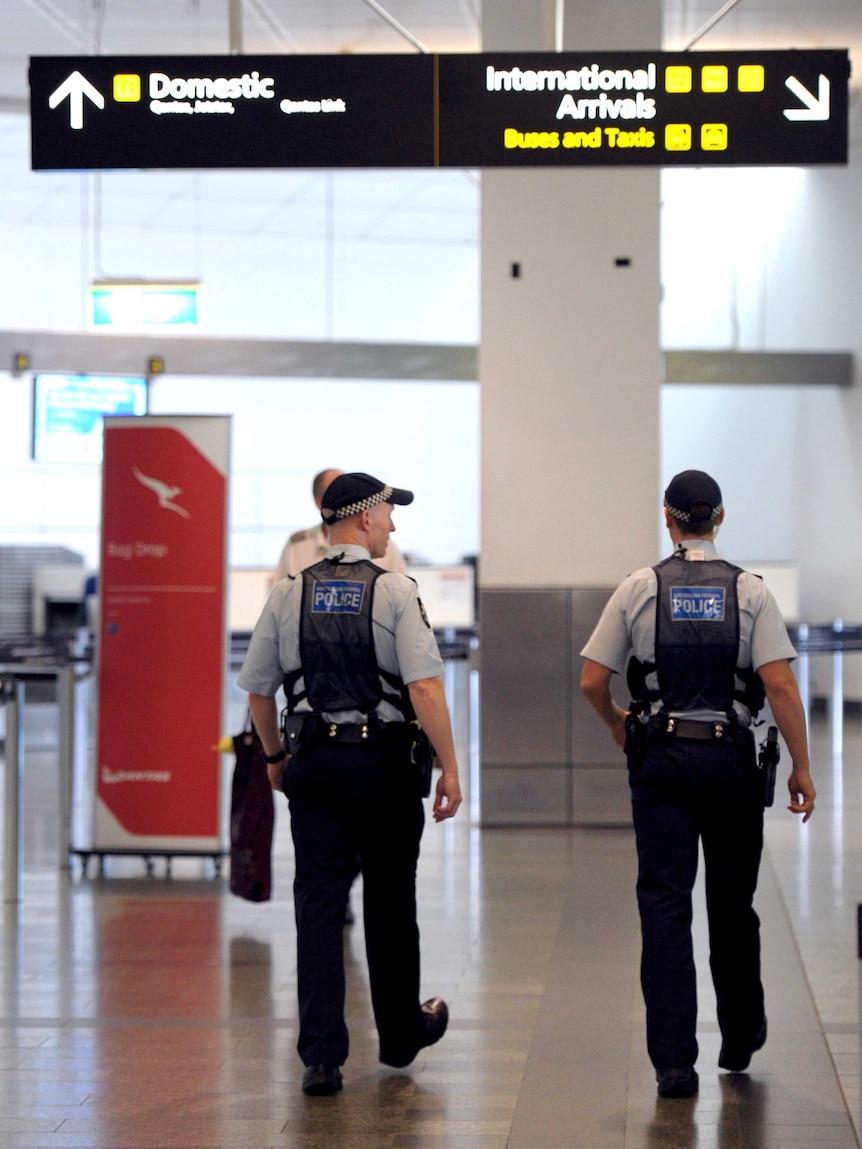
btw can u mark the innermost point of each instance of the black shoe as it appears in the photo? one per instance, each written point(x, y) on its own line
point(677, 1082)
point(737, 1058)
point(435, 1019)
point(321, 1080)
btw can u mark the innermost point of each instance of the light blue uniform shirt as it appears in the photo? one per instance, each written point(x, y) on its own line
point(627, 625)
point(403, 641)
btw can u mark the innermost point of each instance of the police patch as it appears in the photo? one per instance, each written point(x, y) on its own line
point(697, 603)
point(337, 597)
point(422, 612)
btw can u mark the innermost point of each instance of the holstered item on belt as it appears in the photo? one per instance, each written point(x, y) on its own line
point(636, 738)
point(294, 731)
point(767, 761)
point(422, 757)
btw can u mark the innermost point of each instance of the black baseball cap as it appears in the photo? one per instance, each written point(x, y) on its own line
point(693, 497)
point(354, 492)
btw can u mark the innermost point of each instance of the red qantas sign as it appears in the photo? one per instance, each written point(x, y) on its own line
point(162, 587)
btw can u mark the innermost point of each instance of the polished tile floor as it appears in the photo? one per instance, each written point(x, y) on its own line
point(142, 1012)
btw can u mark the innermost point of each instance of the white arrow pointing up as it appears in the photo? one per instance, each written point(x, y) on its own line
point(816, 107)
point(76, 87)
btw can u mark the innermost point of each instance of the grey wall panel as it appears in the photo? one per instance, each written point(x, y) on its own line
point(590, 739)
point(600, 795)
point(546, 758)
point(525, 796)
point(526, 676)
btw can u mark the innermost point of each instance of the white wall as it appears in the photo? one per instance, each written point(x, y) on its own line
point(770, 260)
point(365, 256)
point(423, 436)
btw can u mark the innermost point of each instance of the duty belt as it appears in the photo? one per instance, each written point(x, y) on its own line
point(359, 733)
point(353, 732)
point(700, 731)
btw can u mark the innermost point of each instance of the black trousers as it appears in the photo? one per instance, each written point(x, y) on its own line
point(348, 802)
point(683, 793)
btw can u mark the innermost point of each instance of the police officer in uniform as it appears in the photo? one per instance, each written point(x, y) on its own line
point(354, 651)
point(707, 641)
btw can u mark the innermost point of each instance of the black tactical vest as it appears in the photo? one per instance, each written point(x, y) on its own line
point(696, 634)
point(336, 643)
point(697, 641)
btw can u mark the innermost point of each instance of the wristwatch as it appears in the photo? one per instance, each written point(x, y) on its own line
point(271, 759)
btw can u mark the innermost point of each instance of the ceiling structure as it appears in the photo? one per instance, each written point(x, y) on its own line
point(381, 206)
point(107, 27)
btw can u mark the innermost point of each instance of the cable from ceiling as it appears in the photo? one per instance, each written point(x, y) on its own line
point(710, 24)
point(399, 28)
point(60, 21)
point(286, 41)
point(699, 34)
point(559, 24)
point(235, 26)
point(98, 25)
point(473, 15)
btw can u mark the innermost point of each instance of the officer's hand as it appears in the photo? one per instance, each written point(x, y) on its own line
point(618, 730)
point(616, 723)
point(275, 772)
point(447, 797)
point(802, 793)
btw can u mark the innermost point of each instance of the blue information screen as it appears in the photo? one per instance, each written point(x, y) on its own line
point(68, 412)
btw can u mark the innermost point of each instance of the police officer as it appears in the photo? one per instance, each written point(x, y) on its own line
point(707, 641)
point(354, 651)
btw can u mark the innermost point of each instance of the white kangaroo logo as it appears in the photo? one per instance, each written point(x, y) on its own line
point(163, 492)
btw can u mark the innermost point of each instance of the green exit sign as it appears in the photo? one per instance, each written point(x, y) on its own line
point(144, 306)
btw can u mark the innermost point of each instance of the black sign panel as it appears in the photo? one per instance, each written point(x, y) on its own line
point(479, 110)
point(232, 112)
point(624, 108)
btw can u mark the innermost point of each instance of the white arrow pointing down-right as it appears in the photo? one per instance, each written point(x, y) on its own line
point(816, 107)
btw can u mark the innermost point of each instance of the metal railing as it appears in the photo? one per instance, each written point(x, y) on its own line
point(835, 638)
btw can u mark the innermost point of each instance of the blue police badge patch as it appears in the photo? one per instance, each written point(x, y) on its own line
point(697, 603)
point(338, 596)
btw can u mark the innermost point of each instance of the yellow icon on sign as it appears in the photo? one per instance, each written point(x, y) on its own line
point(677, 78)
point(713, 78)
point(713, 137)
point(677, 137)
point(127, 88)
point(751, 78)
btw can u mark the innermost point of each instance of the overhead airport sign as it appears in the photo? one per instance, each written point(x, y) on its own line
point(511, 109)
point(231, 112)
point(694, 108)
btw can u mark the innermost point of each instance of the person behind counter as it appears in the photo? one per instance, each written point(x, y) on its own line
point(358, 660)
point(309, 546)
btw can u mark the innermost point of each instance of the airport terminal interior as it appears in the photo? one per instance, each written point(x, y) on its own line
point(364, 319)
point(141, 1011)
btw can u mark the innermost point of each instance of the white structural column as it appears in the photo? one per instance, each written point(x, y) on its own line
point(569, 370)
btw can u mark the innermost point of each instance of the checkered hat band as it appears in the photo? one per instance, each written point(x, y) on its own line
point(685, 517)
point(364, 504)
